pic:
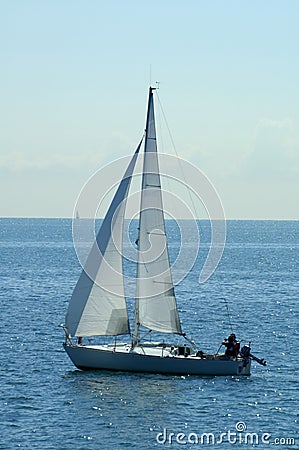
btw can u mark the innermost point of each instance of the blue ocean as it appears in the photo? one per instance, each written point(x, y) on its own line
point(46, 403)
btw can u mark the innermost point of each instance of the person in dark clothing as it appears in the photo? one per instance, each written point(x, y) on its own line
point(232, 346)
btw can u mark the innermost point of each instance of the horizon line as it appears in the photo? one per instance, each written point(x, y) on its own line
point(180, 218)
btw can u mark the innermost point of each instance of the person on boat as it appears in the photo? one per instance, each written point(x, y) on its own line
point(232, 346)
point(80, 340)
point(236, 348)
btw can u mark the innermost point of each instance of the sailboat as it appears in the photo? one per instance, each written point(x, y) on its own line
point(98, 304)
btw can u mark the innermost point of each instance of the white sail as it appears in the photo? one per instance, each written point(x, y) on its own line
point(98, 306)
point(156, 306)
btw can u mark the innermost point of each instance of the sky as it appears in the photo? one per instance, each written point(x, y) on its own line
point(73, 86)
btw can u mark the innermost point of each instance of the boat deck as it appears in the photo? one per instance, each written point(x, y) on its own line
point(155, 349)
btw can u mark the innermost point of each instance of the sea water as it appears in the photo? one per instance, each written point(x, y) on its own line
point(46, 403)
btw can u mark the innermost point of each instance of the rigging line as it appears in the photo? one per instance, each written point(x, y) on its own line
point(179, 161)
point(190, 341)
point(228, 314)
point(145, 334)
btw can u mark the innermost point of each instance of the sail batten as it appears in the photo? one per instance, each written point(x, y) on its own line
point(156, 307)
point(98, 305)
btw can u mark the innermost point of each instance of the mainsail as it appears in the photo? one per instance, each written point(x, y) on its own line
point(98, 306)
point(156, 306)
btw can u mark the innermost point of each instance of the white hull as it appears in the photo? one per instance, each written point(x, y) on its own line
point(152, 359)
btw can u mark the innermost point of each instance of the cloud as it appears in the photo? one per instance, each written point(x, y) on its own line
point(275, 151)
point(84, 153)
point(19, 162)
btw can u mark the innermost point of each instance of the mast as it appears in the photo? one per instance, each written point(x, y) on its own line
point(135, 339)
point(155, 305)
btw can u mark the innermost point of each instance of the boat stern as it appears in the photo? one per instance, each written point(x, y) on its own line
point(243, 366)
